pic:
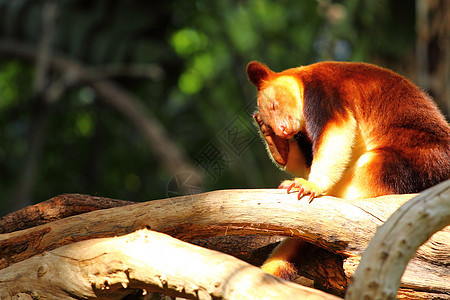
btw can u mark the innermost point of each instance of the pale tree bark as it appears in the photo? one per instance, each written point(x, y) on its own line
point(396, 241)
point(340, 226)
point(111, 268)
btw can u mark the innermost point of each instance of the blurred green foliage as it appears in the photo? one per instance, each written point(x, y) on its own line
point(199, 50)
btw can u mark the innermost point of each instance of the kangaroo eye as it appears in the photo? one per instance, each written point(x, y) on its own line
point(273, 105)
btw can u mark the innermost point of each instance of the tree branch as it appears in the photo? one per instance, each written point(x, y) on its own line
point(343, 227)
point(114, 267)
point(396, 242)
point(56, 208)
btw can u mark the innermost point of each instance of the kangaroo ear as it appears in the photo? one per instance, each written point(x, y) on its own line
point(257, 72)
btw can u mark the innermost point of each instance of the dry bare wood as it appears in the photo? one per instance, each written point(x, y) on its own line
point(340, 226)
point(111, 268)
point(396, 241)
point(54, 209)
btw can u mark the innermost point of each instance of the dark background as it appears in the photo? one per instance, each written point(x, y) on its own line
point(139, 100)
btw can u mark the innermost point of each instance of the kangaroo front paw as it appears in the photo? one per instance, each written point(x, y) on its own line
point(304, 187)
